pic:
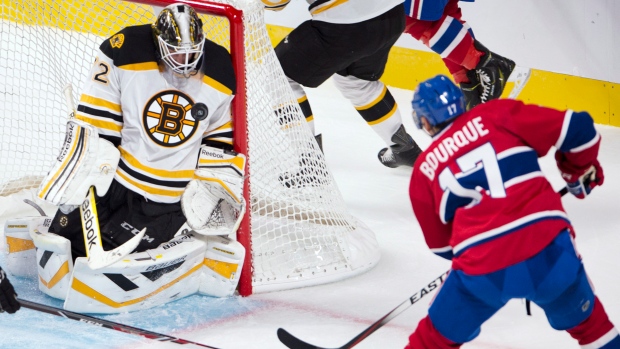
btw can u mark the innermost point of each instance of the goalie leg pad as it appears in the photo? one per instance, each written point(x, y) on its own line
point(20, 249)
point(223, 262)
point(85, 160)
point(54, 263)
point(140, 280)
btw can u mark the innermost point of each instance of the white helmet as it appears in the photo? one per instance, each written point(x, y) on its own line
point(179, 36)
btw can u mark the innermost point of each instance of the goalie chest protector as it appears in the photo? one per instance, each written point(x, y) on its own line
point(135, 102)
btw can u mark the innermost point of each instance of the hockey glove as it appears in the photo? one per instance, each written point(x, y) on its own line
point(213, 201)
point(581, 186)
point(8, 302)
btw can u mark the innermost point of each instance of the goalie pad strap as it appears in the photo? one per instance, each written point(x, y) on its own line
point(85, 160)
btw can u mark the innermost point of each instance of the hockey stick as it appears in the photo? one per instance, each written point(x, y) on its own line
point(293, 342)
point(519, 76)
point(105, 323)
point(97, 257)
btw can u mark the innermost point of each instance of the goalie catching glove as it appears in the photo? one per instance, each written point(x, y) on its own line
point(213, 201)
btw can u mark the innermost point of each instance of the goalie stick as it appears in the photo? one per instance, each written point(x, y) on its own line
point(107, 324)
point(293, 342)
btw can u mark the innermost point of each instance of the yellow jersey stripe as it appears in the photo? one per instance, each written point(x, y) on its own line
point(102, 124)
point(140, 66)
point(216, 85)
point(151, 190)
point(131, 160)
point(226, 127)
point(100, 102)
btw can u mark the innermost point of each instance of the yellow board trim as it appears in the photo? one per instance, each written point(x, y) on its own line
point(406, 68)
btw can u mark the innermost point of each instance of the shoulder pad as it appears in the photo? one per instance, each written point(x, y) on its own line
point(131, 45)
point(217, 65)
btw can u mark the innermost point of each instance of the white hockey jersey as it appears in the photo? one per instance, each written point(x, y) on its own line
point(341, 11)
point(155, 124)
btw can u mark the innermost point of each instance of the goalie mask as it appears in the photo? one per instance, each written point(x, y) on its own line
point(179, 37)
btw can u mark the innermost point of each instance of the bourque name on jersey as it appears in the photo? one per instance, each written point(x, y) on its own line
point(442, 152)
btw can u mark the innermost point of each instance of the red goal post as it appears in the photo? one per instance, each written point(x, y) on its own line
point(297, 230)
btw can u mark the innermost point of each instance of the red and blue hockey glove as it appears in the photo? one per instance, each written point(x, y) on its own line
point(581, 186)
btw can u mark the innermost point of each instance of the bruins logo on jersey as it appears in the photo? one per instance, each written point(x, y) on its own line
point(168, 120)
point(117, 40)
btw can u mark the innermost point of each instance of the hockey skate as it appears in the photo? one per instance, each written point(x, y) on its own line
point(488, 79)
point(403, 153)
point(311, 171)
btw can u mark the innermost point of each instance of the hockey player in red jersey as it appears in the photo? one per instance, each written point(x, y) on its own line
point(482, 74)
point(483, 202)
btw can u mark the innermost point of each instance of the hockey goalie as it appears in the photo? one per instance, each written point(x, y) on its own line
point(147, 186)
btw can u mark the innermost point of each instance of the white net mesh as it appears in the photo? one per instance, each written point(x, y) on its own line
point(301, 233)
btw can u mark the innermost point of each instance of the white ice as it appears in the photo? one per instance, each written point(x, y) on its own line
point(331, 315)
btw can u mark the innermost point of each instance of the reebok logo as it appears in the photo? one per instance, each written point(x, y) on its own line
point(88, 224)
point(212, 154)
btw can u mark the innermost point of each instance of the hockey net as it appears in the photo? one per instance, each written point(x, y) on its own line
point(297, 230)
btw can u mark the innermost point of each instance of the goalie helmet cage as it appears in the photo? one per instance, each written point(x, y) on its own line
point(297, 231)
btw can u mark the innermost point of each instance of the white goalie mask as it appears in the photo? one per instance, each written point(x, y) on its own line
point(179, 36)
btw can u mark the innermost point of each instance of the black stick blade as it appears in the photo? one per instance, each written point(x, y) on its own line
point(293, 342)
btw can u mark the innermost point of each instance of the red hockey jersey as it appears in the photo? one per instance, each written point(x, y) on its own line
point(478, 191)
